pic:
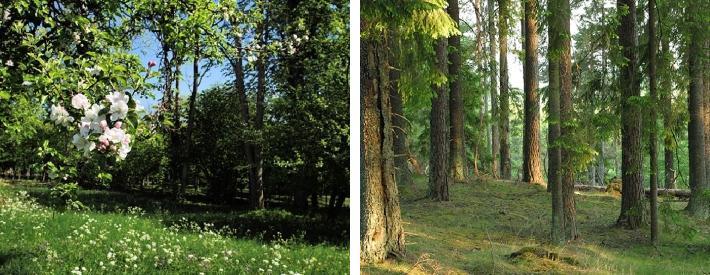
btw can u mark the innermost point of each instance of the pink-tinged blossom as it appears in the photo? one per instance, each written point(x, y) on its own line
point(79, 101)
point(118, 124)
point(103, 124)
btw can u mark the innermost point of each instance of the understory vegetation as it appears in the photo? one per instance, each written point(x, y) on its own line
point(487, 221)
point(122, 233)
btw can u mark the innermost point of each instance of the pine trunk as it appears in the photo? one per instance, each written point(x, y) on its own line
point(495, 139)
point(439, 158)
point(553, 108)
point(504, 122)
point(566, 121)
point(631, 215)
point(531, 132)
point(458, 149)
point(381, 232)
point(401, 152)
point(668, 124)
point(652, 141)
point(698, 205)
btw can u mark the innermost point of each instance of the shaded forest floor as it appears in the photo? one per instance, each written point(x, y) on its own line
point(487, 221)
point(128, 233)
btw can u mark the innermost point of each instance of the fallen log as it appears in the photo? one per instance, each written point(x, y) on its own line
point(680, 193)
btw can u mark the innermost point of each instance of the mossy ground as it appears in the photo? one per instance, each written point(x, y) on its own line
point(121, 238)
point(486, 221)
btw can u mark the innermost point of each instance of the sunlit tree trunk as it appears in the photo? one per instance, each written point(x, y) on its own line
point(381, 231)
point(566, 121)
point(531, 132)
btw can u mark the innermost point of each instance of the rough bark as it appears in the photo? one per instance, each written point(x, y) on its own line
point(566, 120)
point(553, 108)
point(493, 66)
point(652, 141)
point(458, 153)
point(439, 158)
point(381, 232)
point(631, 215)
point(698, 204)
point(531, 131)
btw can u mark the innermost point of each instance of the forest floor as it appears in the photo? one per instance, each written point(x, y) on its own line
point(487, 221)
point(124, 233)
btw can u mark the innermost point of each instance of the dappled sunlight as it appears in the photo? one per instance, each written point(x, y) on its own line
point(476, 232)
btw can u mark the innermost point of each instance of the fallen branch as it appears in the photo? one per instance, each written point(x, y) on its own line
point(680, 193)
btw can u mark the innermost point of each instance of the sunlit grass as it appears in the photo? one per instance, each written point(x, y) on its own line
point(36, 239)
point(485, 222)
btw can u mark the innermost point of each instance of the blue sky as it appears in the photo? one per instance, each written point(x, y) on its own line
point(147, 48)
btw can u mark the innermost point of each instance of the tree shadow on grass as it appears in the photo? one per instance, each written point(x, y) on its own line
point(278, 222)
point(12, 261)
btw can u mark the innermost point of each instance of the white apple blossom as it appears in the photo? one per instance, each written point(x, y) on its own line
point(6, 15)
point(26, 83)
point(83, 144)
point(115, 135)
point(79, 101)
point(9, 63)
point(251, 58)
point(123, 151)
point(95, 70)
point(60, 116)
point(119, 105)
point(92, 118)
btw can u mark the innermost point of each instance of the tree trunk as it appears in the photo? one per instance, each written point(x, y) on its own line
point(566, 121)
point(399, 122)
point(175, 139)
point(554, 157)
point(631, 215)
point(191, 113)
point(381, 232)
point(601, 169)
point(668, 123)
point(652, 143)
point(504, 121)
point(458, 149)
point(495, 139)
point(698, 205)
point(439, 158)
point(531, 132)
point(257, 190)
point(240, 90)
